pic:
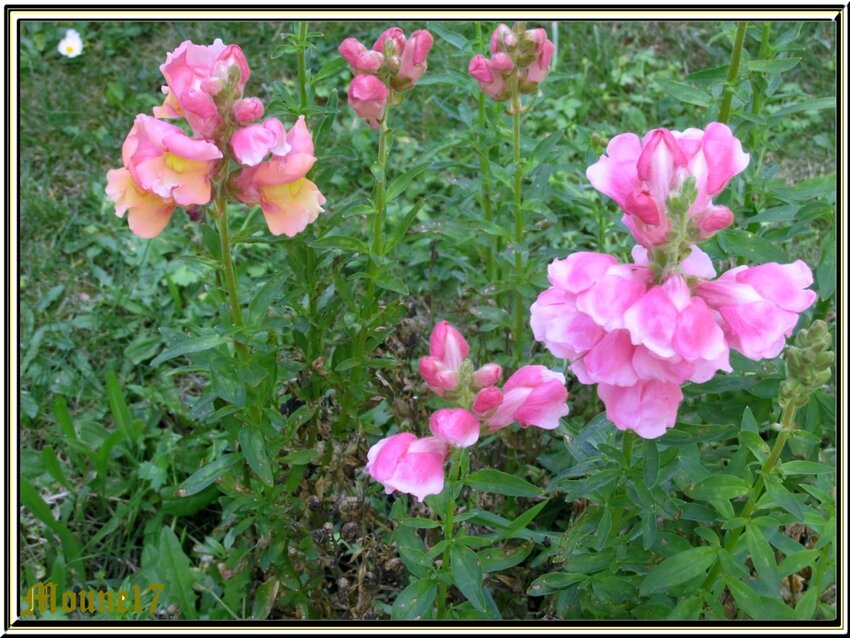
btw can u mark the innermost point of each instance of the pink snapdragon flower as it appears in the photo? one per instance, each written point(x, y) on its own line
point(407, 464)
point(289, 200)
point(487, 400)
point(441, 367)
point(367, 95)
point(534, 395)
point(195, 75)
point(759, 305)
point(640, 340)
point(642, 175)
point(413, 60)
point(163, 160)
point(457, 427)
point(361, 59)
point(519, 58)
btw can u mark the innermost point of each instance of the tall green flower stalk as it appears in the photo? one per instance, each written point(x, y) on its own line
point(484, 164)
point(519, 303)
point(732, 75)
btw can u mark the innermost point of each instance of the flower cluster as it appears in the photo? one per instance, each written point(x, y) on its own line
point(163, 167)
point(533, 395)
point(391, 66)
point(520, 60)
point(641, 330)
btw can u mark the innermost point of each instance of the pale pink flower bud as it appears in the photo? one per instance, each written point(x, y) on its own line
point(448, 349)
point(396, 41)
point(407, 464)
point(479, 68)
point(488, 374)
point(456, 426)
point(502, 39)
point(367, 95)
point(246, 110)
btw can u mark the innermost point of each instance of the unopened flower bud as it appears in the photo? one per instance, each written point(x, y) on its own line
point(246, 110)
point(487, 375)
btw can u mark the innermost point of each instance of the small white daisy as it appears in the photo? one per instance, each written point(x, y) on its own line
point(71, 45)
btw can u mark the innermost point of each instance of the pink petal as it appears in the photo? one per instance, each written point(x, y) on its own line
point(648, 407)
point(610, 360)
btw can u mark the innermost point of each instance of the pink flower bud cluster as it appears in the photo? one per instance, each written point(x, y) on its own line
point(394, 63)
point(533, 395)
point(647, 177)
point(164, 168)
point(639, 340)
point(520, 61)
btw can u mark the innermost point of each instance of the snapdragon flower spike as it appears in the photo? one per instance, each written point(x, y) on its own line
point(644, 175)
point(405, 463)
point(639, 341)
point(534, 395)
point(394, 63)
point(441, 367)
point(196, 75)
point(520, 54)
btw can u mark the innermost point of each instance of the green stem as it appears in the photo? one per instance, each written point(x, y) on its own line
point(758, 105)
point(314, 339)
point(519, 337)
point(787, 423)
point(448, 535)
point(302, 64)
point(734, 64)
point(628, 444)
point(484, 163)
point(229, 274)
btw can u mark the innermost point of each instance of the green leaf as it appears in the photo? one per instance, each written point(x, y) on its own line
point(826, 269)
point(118, 407)
point(208, 474)
point(494, 559)
point(389, 281)
point(805, 467)
point(264, 599)
point(174, 569)
point(756, 606)
point(467, 575)
point(188, 346)
point(680, 568)
point(69, 545)
point(763, 558)
point(797, 561)
point(300, 457)
point(400, 183)
point(453, 38)
point(781, 496)
point(686, 93)
point(330, 69)
point(777, 65)
point(712, 75)
point(341, 242)
point(254, 449)
point(415, 600)
point(719, 486)
point(755, 444)
point(548, 583)
point(498, 482)
point(809, 105)
point(51, 464)
point(419, 523)
point(521, 521)
point(650, 462)
point(261, 301)
point(746, 244)
point(63, 418)
point(401, 228)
